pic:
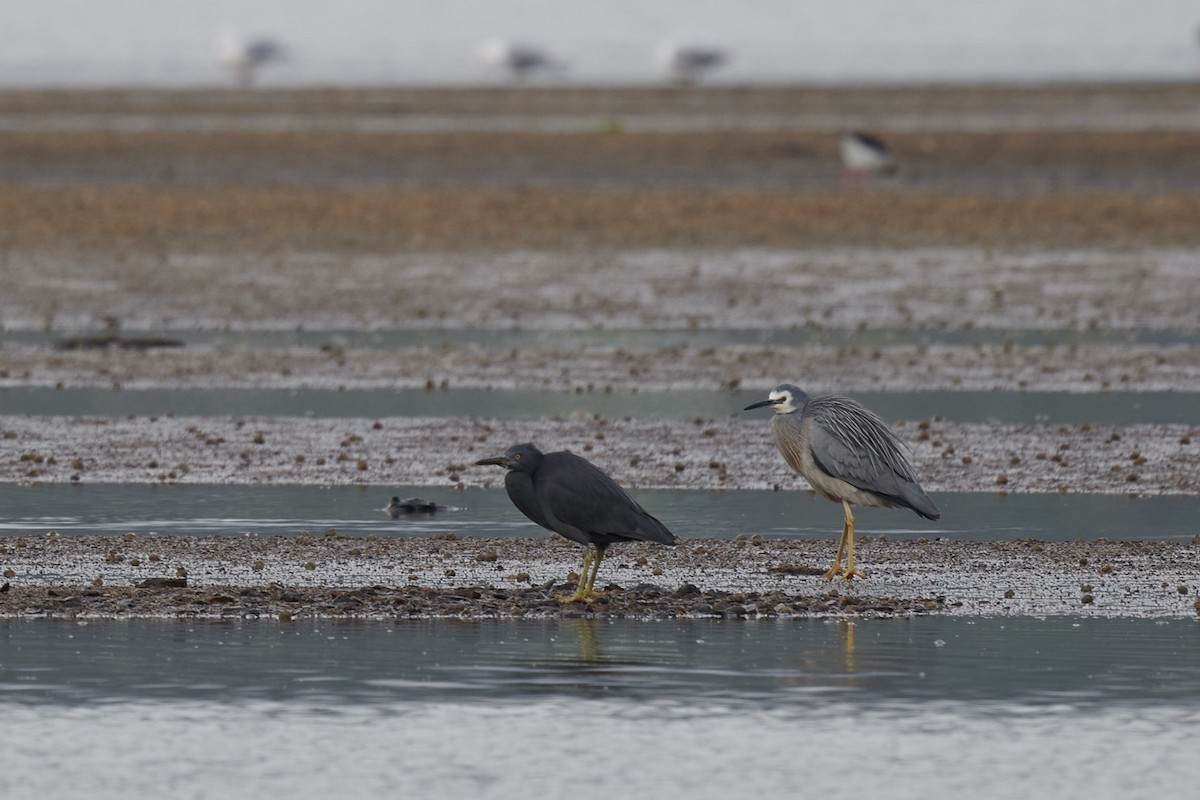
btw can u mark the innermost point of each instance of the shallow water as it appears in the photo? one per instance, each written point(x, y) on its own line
point(631, 338)
point(186, 510)
point(968, 707)
point(1109, 408)
point(786, 664)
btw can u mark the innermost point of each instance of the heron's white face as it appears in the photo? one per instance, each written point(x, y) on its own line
point(783, 402)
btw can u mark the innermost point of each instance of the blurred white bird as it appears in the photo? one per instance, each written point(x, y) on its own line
point(518, 60)
point(863, 155)
point(686, 63)
point(244, 57)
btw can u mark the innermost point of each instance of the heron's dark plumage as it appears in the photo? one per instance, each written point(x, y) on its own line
point(574, 498)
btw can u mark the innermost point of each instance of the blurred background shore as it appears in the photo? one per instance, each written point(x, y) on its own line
point(371, 170)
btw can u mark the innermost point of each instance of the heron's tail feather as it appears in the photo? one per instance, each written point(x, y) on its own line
point(654, 531)
point(916, 499)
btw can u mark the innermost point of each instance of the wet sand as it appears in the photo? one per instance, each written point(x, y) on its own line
point(1052, 209)
point(160, 220)
point(587, 369)
point(847, 287)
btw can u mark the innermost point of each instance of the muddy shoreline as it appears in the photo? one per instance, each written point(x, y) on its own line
point(324, 574)
point(1057, 210)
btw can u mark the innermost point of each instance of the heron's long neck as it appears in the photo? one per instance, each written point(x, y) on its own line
point(519, 486)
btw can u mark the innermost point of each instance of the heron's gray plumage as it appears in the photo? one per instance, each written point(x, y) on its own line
point(848, 442)
point(847, 454)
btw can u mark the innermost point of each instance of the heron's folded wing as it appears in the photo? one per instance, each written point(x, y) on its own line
point(578, 493)
point(852, 444)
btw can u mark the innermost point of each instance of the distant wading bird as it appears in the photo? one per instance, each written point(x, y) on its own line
point(863, 155)
point(848, 455)
point(686, 63)
point(245, 57)
point(572, 497)
point(518, 60)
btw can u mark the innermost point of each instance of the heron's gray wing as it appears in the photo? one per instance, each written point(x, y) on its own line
point(851, 443)
point(574, 491)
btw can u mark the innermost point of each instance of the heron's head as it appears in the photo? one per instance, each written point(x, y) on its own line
point(523, 457)
point(783, 399)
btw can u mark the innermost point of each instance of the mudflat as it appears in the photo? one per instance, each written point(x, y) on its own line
point(1067, 213)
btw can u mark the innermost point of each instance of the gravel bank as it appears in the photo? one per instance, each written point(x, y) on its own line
point(329, 575)
point(731, 453)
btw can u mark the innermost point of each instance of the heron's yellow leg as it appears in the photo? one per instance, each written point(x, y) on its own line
point(836, 569)
point(591, 584)
point(587, 578)
point(583, 570)
point(581, 584)
point(850, 572)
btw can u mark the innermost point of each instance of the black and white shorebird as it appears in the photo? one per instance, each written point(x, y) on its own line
point(686, 63)
point(863, 156)
point(848, 455)
point(244, 57)
point(518, 61)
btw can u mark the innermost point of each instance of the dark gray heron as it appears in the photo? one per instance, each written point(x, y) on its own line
point(572, 497)
point(848, 454)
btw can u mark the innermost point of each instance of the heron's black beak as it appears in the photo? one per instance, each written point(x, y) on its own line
point(498, 461)
point(763, 403)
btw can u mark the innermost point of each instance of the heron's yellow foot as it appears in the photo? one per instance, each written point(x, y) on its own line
point(587, 579)
point(838, 571)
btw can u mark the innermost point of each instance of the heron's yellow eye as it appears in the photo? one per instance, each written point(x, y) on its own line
point(516, 456)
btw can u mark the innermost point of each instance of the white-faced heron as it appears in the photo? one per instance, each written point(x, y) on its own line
point(848, 455)
point(572, 497)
